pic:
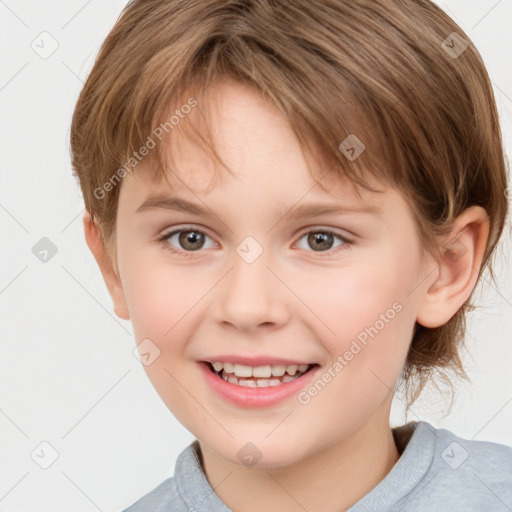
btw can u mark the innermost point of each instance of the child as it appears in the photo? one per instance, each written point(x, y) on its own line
point(217, 143)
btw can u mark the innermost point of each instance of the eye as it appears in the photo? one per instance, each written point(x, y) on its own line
point(322, 240)
point(189, 240)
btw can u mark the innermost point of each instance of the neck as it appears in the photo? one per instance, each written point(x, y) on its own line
point(342, 474)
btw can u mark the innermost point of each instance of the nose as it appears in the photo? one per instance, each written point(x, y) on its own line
point(252, 296)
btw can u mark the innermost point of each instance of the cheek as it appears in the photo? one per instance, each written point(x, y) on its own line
point(158, 295)
point(365, 311)
point(162, 303)
point(152, 300)
point(166, 303)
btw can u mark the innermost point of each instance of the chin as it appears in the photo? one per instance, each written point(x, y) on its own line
point(265, 454)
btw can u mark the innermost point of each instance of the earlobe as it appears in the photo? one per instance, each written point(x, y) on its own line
point(462, 254)
point(94, 239)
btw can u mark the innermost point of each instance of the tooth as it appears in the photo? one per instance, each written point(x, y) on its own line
point(250, 383)
point(262, 371)
point(262, 383)
point(291, 369)
point(228, 367)
point(242, 370)
point(278, 370)
point(288, 378)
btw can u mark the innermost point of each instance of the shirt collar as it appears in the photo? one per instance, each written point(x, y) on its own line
point(418, 438)
point(192, 484)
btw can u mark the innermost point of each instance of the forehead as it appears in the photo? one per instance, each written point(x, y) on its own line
point(286, 182)
point(262, 151)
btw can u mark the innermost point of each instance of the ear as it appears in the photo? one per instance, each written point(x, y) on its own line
point(463, 252)
point(94, 239)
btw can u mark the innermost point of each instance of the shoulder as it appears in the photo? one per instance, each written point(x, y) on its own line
point(456, 451)
point(165, 497)
point(485, 460)
point(186, 491)
point(466, 474)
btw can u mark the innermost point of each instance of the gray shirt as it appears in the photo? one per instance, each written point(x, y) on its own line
point(436, 471)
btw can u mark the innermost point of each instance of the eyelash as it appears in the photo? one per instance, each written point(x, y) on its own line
point(164, 240)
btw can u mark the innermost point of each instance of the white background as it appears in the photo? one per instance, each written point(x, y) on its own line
point(67, 372)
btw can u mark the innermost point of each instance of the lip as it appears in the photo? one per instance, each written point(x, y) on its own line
point(254, 361)
point(255, 397)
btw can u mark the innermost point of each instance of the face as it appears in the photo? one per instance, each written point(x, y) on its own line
point(260, 279)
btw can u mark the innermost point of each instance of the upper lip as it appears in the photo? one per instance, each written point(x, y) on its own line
point(254, 361)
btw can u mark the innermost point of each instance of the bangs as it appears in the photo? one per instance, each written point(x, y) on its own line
point(356, 157)
point(336, 126)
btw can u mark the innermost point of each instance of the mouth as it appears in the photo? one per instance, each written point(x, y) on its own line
point(258, 376)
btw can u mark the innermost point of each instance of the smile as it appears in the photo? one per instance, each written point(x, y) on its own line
point(258, 385)
point(258, 376)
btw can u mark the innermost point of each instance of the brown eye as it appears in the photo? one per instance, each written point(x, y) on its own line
point(320, 241)
point(186, 241)
point(323, 240)
point(191, 240)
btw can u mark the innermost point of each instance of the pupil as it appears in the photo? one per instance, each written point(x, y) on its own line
point(191, 237)
point(324, 239)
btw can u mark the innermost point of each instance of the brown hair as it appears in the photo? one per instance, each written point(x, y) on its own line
point(392, 73)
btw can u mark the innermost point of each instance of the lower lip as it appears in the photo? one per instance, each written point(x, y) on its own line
point(255, 397)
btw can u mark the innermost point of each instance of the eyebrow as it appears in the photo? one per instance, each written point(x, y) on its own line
point(301, 211)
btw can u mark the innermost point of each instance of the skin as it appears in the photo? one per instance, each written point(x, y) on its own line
point(293, 301)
